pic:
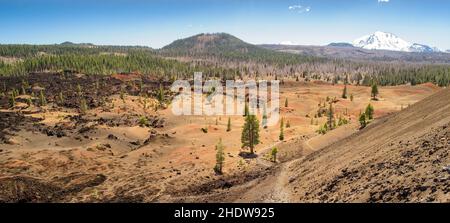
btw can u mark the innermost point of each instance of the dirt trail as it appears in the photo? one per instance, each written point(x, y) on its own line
point(307, 145)
point(279, 193)
point(273, 187)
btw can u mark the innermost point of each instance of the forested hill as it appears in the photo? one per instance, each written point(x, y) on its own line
point(225, 46)
point(96, 60)
point(218, 43)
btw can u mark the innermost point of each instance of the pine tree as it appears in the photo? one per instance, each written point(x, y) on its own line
point(286, 104)
point(342, 121)
point(42, 99)
point(83, 106)
point(13, 93)
point(369, 112)
point(273, 154)
point(344, 93)
point(250, 133)
point(351, 97)
point(374, 91)
point(12, 101)
point(161, 94)
point(281, 136)
point(288, 124)
point(323, 129)
point(330, 117)
point(229, 124)
point(362, 120)
point(220, 157)
point(29, 101)
point(122, 95)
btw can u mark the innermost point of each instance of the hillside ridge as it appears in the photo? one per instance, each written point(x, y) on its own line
point(400, 158)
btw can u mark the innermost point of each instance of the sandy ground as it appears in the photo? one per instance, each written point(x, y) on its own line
point(127, 162)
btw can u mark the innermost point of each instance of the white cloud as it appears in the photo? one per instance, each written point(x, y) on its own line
point(383, 1)
point(301, 9)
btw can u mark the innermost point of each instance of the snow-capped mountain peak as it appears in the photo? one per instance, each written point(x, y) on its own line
point(388, 41)
point(382, 41)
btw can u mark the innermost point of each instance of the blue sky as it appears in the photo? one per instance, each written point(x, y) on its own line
point(156, 23)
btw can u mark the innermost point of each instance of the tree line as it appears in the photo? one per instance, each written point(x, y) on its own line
point(105, 64)
point(226, 64)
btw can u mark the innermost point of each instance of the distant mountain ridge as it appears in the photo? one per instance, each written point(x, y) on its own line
point(348, 51)
point(341, 45)
point(226, 46)
point(68, 43)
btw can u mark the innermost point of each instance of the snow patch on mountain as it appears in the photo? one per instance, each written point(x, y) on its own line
point(388, 41)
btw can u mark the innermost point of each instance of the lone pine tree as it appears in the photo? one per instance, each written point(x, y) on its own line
point(273, 154)
point(281, 136)
point(374, 91)
point(250, 133)
point(330, 117)
point(220, 157)
point(344, 93)
point(83, 106)
point(229, 124)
